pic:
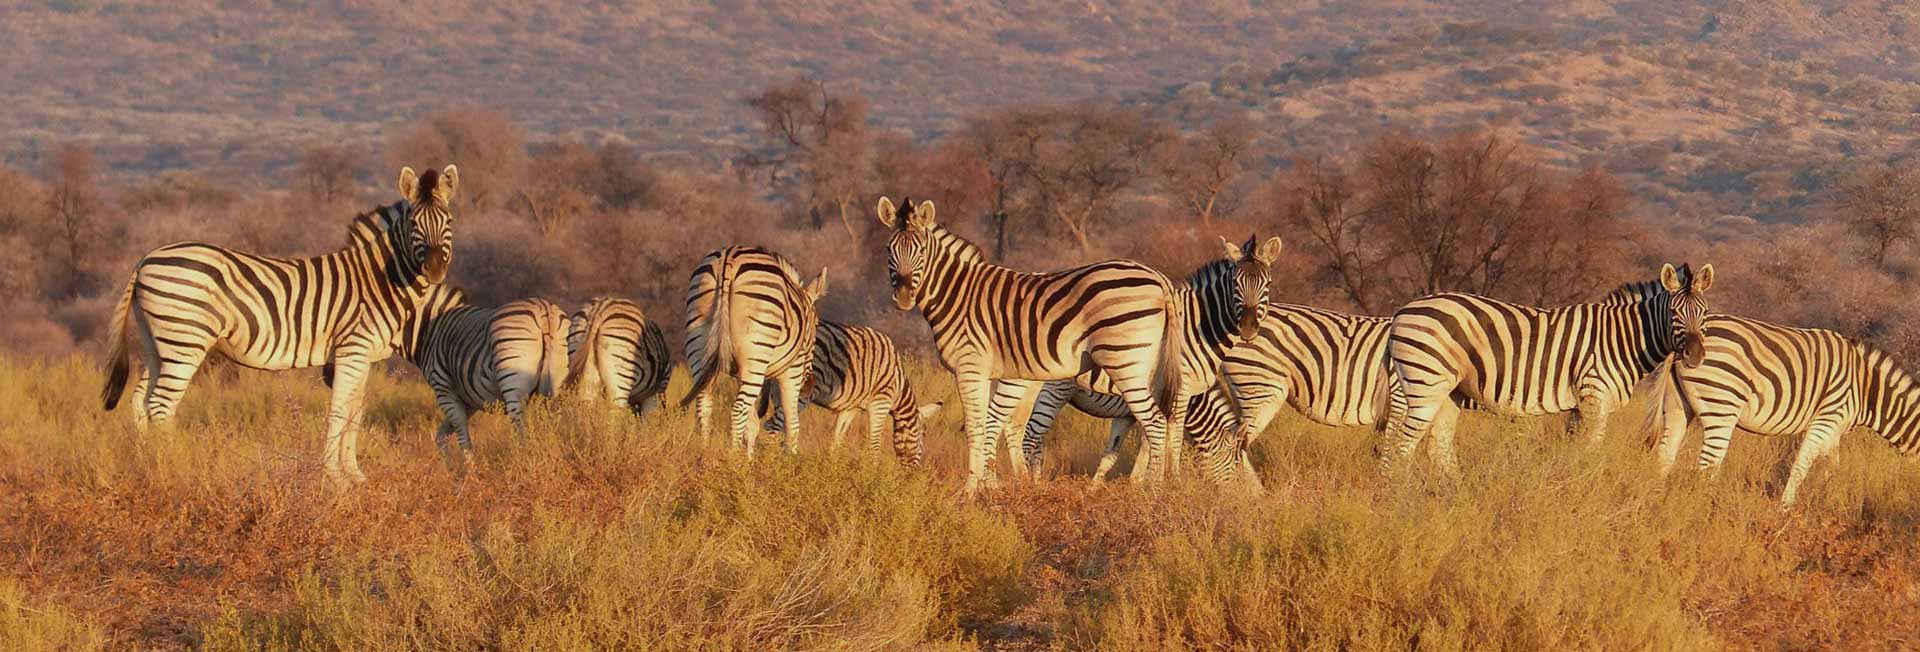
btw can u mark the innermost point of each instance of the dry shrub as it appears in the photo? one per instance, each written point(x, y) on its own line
point(28, 626)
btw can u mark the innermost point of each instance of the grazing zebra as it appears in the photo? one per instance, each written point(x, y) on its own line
point(1523, 360)
point(1222, 300)
point(617, 355)
point(857, 368)
point(749, 316)
point(345, 309)
point(1776, 380)
point(990, 322)
point(474, 356)
point(1210, 426)
point(1330, 366)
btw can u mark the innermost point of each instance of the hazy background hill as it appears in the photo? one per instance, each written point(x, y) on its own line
point(238, 85)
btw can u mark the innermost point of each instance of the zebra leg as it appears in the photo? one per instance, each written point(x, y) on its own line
point(172, 364)
point(1257, 408)
point(1673, 430)
point(344, 411)
point(1176, 440)
point(790, 383)
point(514, 390)
point(842, 420)
point(746, 425)
point(702, 414)
point(879, 424)
point(1046, 409)
point(1117, 429)
point(1445, 423)
point(1821, 437)
point(1006, 400)
point(1589, 420)
point(975, 391)
point(138, 401)
point(1413, 416)
point(1716, 434)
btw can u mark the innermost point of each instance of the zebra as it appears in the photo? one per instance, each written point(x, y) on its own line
point(617, 355)
point(1211, 425)
point(1777, 380)
point(474, 356)
point(1523, 360)
point(1222, 299)
point(749, 316)
point(855, 368)
point(345, 309)
point(992, 323)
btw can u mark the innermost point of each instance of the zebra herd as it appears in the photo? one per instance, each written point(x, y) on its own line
point(1207, 362)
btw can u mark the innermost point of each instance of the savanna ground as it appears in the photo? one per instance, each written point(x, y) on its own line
point(221, 535)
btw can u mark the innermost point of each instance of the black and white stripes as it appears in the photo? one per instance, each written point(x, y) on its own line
point(990, 322)
point(749, 316)
point(617, 356)
point(474, 356)
point(345, 310)
point(857, 368)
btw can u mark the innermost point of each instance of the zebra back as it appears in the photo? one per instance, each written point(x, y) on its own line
point(1328, 365)
point(746, 301)
point(616, 353)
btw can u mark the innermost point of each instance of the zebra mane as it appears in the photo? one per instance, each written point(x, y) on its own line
point(1636, 292)
point(1217, 268)
point(377, 225)
point(953, 244)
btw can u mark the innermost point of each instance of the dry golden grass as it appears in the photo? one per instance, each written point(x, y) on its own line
point(220, 534)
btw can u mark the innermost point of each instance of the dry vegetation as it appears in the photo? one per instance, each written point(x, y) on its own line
point(219, 535)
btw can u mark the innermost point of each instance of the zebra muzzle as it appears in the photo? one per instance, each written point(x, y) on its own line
point(1249, 325)
point(438, 261)
point(1692, 352)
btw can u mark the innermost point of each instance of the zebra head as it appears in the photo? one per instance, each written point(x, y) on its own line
point(1249, 280)
point(1689, 308)
point(429, 229)
point(909, 248)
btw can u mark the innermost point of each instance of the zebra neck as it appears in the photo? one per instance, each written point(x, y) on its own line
point(953, 265)
point(1208, 303)
point(1889, 398)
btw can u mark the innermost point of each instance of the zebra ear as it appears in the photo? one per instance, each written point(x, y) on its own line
point(818, 288)
point(449, 180)
point(1703, 280)
point(409, 183)
point(1670, 278)
point(1231, 251)
point(887, 213)
point(927, 411)
point(923, 216)
point(1269, 251)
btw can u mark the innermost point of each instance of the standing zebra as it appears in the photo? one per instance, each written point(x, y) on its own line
point(474, 356)
point(857, 368)
point(345, 309)
point(1776, 380)
point(617, 355)
point(1330, 366)
point(749, 316)
point(1222, 301)
point(1523, 360)
point(990, 322)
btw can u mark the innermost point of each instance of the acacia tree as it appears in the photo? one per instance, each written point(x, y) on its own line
point(326, 171)
point(1005, 143)
point(1086, 159)
point(1881, 203)
point(72, 226)
point(1201, 167)
point(1471, 213)
point(487, 146)
point(552, 193)
point(822, 140)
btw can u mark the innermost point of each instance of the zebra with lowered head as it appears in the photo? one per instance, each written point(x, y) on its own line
point(857, 368)
point(1523, 360)
point(473, 357)
point(346, 309)
point(616, 355)
point(993, 323)
point(1777, 380)
point(749, 315)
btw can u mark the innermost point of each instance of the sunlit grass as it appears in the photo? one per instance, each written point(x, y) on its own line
point(595, 533)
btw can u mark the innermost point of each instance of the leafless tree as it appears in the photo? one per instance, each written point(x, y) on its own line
point(552, 193)
point(822, 139)
point(1881, 203)
point(327, 172)
point(1090, 155)
point(488, 147)
point(73, 205)
point(1200, 168)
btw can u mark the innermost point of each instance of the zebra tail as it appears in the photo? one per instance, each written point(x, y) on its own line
point(1172, 337)
point(717, 326)
point(118, 357)
point(1666, 393)
point(553, 349)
